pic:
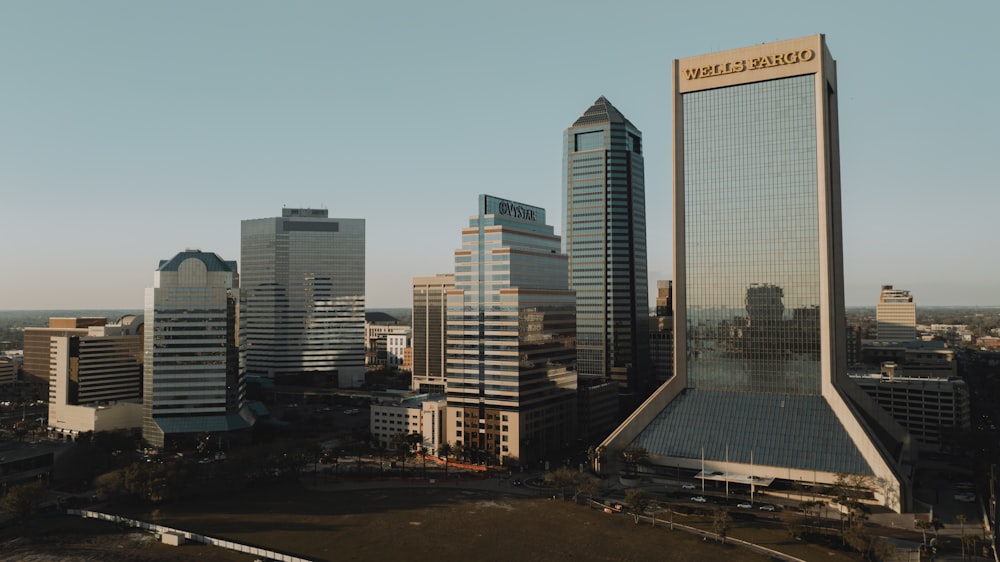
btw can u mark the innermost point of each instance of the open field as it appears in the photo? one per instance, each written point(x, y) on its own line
point(441, 523)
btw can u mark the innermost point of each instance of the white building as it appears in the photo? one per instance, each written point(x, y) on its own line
point(192, 383)
point(896, 314)
point(422, 414)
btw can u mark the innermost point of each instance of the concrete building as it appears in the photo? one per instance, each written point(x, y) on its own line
point(35, 369)
point(933, 410)
point(760, 385)
point(922, 359)
point(302, 306)
point(604, 236)
point(430, 303)
point(379, 326)
point(511, 387)
point(8, 371)
point(423, 414)
point(896, 315)
point(96, 379)
point(395, 348)
point(192, 384)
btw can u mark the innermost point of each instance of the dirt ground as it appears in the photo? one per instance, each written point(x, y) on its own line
point(426, 523)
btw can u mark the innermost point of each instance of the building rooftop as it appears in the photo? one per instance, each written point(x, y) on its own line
point(211, 260)
point(602, 112)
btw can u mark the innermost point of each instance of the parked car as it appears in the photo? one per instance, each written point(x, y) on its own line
point(967, 497)
point(766, 507)
point(687, 486)
point(699, 499)
point(744, 505)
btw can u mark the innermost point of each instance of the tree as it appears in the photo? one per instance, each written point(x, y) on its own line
point(444, 451)
point(720, 523)
point(638, 500)
point(589, 487)
point(23, 501)
point(561, 478)
point(633, 456)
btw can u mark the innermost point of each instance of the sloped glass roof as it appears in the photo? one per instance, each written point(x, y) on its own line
point(793, 431)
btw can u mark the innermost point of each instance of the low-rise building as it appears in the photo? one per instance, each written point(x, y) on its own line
point(410, 414)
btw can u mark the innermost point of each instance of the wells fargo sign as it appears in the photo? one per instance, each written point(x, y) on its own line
point(753, 63)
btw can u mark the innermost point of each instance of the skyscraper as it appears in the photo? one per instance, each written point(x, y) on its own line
point(430, 304)
point(511, 388)
point(896, 315)
point(760, 386)
point(302, 309)
point(604, 235)
point(191, 378)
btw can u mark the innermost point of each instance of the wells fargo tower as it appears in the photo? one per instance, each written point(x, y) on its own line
point(760, 391)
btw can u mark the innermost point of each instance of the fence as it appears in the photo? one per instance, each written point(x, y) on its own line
point(222, 543)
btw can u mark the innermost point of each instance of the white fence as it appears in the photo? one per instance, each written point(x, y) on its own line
point(222, 543)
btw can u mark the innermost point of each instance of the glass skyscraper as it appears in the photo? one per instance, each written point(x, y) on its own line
point(604, 224)
point(510, 386)
point(760, 385)
point(302, 309)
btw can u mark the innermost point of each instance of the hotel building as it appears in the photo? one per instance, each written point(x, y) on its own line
point(191, 378)
point(760, 387)
point(511, 388)
point(302, 309)
point(604, 236)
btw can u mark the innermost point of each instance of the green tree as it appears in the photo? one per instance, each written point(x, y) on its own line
point(587, 486)
point(23, 501)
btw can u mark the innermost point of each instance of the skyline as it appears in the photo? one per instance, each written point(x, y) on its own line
point(131, 132)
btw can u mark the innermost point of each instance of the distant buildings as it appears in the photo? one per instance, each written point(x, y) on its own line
point(896, 314)
point(511, 388)
point(303, 301)
point(430, 304)
point(96, 379)
point(661, 333)
point(760, 385)
point(604, 236)
point(192, 384)
point(379, 329)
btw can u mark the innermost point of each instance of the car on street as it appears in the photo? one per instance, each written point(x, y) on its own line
point(744, 505)
point(687, 486)
point(967, 497)
point(699, 499)
point(766, 507)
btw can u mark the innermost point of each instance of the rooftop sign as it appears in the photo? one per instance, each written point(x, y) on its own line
point(504, 207)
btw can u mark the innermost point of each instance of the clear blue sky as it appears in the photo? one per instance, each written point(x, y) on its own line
point(132, 130)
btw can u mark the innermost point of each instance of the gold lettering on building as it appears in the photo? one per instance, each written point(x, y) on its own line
point(755, 63)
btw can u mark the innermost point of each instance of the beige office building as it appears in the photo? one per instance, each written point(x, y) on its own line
point(896, 315)
point(760, 385)
point(430, 303)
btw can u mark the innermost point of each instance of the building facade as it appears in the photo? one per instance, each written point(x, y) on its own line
point(510, 386)
point(760, 385)
point(604, 235)
point(896, 315)
point(661, 333)
point(430, 304)
point(96, 379)
point(302, 308)
point(192, 384)
point(37, 346)
point(422, 414)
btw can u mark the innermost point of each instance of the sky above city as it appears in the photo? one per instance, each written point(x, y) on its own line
point(130, 131)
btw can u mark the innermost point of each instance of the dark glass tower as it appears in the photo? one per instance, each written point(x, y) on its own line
point(604, 223)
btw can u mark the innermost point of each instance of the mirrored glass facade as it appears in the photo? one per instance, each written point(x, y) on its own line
point(752, 237)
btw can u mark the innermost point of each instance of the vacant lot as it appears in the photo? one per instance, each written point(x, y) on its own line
point(420, 523)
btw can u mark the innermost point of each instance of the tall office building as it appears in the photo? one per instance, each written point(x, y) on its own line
point(511, 388)
point(896, 315)
point(760, 386)
point(302, 309)
point(192, 383)
point(604, 235)
point(430, 303)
